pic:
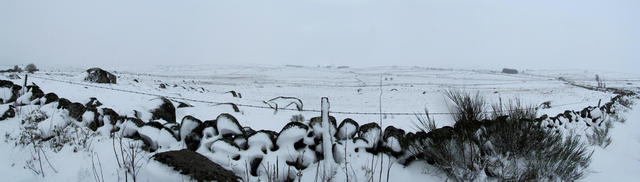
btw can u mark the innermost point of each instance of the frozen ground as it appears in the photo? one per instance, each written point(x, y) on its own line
point(403, 90)
point(620, 161)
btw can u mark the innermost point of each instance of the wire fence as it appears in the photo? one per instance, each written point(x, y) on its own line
point(266, 107)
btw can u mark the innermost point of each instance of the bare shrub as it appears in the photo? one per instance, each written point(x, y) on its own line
point(297, 118)
point(96, 167)
point(600, 136)
point(78, 137)
point(459, 158)
point(467, 106)
point(510, 147)
point(129, 155)
point(514, 109)
point(29, 136)
point(425, 123)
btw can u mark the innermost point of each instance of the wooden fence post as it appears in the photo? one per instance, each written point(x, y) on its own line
point(327, 138)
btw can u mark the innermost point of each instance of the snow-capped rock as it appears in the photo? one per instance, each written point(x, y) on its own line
point(155, 135)
point(316, 124)
point(187, 125)
point(50, 97)
point(165, 111)
point(91, 119)
point(261, 141)
point(9, 92)
point(97, 75)
point(228, 125)
point(75, 109)
point(393, 140)
point(347, 129)
point(6, 111)
point(93, 103)
point(370, 132)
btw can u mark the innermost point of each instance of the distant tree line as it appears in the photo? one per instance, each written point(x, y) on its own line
point(29, 68)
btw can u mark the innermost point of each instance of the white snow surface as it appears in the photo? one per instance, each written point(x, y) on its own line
point(620, 161)
point(405, 89)
point(5, 94)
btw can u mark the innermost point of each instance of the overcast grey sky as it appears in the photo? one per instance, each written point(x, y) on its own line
point(585, 34)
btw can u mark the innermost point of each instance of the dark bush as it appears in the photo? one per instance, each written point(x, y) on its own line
point(510, 146)
point(467, 107)
point(31, 68)
point(425, 123)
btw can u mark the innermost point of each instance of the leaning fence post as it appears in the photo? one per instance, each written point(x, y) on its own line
point(25, 80)
point(327, 139)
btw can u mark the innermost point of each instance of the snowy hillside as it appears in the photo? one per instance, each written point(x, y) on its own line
point(264, 123)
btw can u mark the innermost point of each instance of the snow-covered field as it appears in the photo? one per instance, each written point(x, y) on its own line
point(404, 90)
point(356, 93)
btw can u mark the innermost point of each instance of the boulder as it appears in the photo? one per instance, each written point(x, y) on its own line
point(155, 135)
point(188, 124)
point(226, 148)
point(195, 165)
point(128, 126)
point(6, 111)
point(6, 83)
point(347, 129)
point(371, 133)
point(8, 91)
point(228, 126)
point(262, 140)
point(193, 139)
point(50, 97)
point(36, 92)
point(91, 120)
point(292, 135)
point(97, 75)
point(316, 124)
point(393, 140)
point(93, 103)
point(164, 110)
point(76, 110)
point(110, 116)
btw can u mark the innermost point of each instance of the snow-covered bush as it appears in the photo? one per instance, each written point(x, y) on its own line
point(599, 136)
point(512, 146)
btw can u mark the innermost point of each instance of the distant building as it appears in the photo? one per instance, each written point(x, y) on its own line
point(509, 71)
